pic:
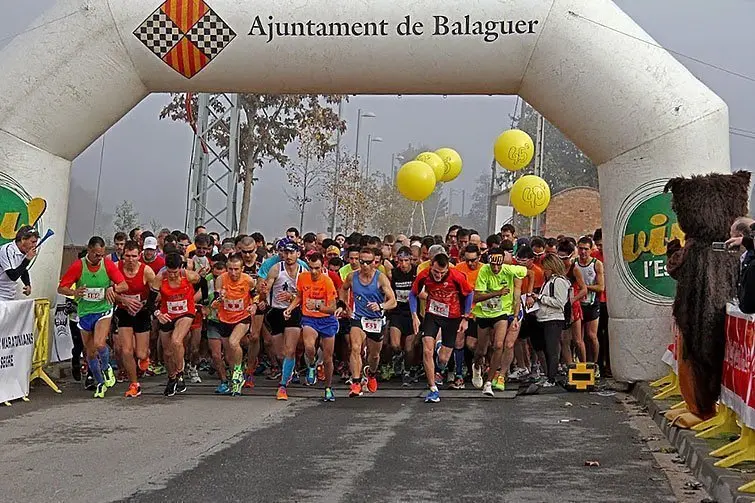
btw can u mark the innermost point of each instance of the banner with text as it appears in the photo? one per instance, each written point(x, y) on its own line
point(16, 348)
point(736, 383)
point(62, 343)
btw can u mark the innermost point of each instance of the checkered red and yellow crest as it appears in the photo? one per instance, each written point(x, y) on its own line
point(185, 34)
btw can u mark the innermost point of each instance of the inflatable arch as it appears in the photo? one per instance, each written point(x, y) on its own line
point(627, 103)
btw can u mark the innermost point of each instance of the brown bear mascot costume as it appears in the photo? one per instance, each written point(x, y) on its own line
point(705, 207)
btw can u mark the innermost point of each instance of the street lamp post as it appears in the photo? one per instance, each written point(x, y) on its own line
point(394, 158)
point(359, 123)
point(370, 139)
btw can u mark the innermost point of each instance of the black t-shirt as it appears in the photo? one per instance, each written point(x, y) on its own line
point(402, 282)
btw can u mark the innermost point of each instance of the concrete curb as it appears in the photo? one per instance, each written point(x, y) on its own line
point(721, 483)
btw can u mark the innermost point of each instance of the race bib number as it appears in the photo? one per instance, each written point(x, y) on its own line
point(402, 296)
point(233, 305)
point(137, 298)
point(492, 305)
point(438, 308)
point(373, 326)
point(94, 294)
point(178, 306)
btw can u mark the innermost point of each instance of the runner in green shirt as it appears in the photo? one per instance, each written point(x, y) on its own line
point(497, 310)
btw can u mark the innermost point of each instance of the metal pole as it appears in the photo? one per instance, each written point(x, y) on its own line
point(369, 142)
point(356, 147)
point(393, 169)
point(336, 174)
point(491, 203)
point(463, 197)
point(233, 165)
point(539, 144)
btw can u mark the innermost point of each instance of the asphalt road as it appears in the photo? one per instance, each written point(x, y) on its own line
point(388, 447)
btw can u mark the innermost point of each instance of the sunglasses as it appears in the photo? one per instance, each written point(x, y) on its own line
point(247, 252)
point(366, 262)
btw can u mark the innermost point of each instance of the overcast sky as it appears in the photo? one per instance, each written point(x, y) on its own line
point(161, 150)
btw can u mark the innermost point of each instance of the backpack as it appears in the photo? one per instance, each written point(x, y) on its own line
point(567, 305)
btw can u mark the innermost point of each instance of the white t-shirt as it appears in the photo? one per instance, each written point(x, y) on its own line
point(10, 258)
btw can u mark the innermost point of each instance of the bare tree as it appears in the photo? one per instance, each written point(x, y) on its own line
point(307, 172)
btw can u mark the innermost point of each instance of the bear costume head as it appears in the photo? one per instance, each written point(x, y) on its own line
point(705, 207)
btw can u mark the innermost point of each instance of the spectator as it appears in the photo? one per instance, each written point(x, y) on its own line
point(15, 258)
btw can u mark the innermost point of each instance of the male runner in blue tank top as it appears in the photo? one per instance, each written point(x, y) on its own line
point(372, 294)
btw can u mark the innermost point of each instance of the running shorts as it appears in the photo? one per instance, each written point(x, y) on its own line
point(471, 328)
point(326, 326)
point(447, 327)
point(226, 329)
point(278, 323)
point(373, 336)
point(490, 322)
point(171, 325)
point(590, 312)
point(197, 324)
point(141, 322)
point(213, 329)
point(88, 321)
point(401, 321)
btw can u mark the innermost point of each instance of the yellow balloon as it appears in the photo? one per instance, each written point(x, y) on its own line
point(453, 163)
point(513, 149)
point(415, 180)
point(530, 195)
point(434, 161)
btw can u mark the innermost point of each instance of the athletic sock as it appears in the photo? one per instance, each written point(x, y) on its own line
point(104, 355)
point(96, 370)
point(459, 361)
point(288, 370)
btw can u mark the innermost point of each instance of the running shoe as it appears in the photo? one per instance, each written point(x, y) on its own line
point(236, 387)
point(548, 383)
point(311, 378)
point(438, 379)
point(406, 379)
point(320, 372)
point(223, 388)
point(170, 388)
point(355, 390)
point(89, 383)
point(499, 383)
point(249, 381)
point(159, 370)
point(398, 363)
point(450, 378)
point(180, 383)
point(122, 376)
point(194, 375)
point(204, 365)
point(282, 393)
point(597, 373)
point(518, 373)
point(134, 390)
point(143, 365)
point(260, 369)
point(99, 392)
point(329, 396)
point(368, 378)
point(76, 372)
point(432, 396)
point(458, 383)
point(109, 377)
point(275, 374)
point(476, 376)
point(487, 389)
point(295, 378)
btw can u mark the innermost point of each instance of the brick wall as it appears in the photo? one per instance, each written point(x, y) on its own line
point(573, 212)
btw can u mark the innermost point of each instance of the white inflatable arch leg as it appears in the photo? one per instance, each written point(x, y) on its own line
point(628, 104)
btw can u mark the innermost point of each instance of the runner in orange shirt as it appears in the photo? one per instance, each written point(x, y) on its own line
point(317, 296)
point(470, 266)
point(235, 311)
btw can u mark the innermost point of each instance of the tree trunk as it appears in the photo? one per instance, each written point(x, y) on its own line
point(303, 205)
point(246, 197)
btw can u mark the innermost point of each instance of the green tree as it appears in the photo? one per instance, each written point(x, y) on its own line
point(126, 217)
point(272, 123)
point(355, 194)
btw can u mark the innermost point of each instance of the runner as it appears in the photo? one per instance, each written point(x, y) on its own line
point(214, 329)
point(150, 255)
point(134, 322)
point(235, 309)
point(119, 241)
point(97, 285)
point(591, 270)
point(469, 267)
point(248, 250)
point(286, 332)
point(317, 297)
point(497, 309)
point(573, 332)
point(400, 319)
point(175, 285)
point(445, 289)
point(372, 295)
point(199, 262)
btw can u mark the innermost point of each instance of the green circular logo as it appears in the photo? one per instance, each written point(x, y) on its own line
point(17, 208)
point(646, 223)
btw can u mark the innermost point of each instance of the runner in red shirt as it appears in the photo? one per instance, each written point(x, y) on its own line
point(445, 290)
point(175, 316)
point(134, 321)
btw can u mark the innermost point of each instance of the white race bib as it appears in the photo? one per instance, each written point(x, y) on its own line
point(402, 296)
point(233, 305)
point(178, 306)
point(491, 305)
point(94, 294)
point(372, 325)
point(131, 297)
point(438, 308)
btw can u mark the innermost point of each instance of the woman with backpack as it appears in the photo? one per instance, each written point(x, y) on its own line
point(553, 298)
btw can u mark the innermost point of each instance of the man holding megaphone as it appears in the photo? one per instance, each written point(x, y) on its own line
point(15, 258)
